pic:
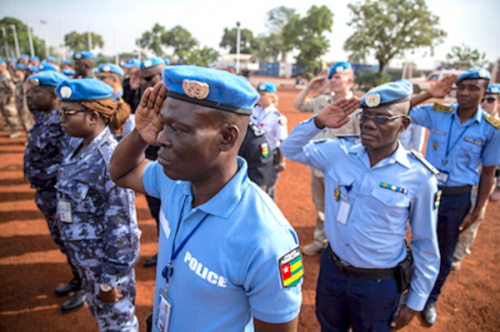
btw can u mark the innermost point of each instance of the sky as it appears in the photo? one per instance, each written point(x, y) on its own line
point(122, 22)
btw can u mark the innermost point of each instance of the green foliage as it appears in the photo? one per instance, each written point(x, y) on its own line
point(248, 44)
point(465, 57)
point(201, 57)
point(269, 47)
point(389, 28)
point(277, 19)
point(368, 79)
point(179, 39)
point(80, 41)
point(22, 37)
point(152, 40)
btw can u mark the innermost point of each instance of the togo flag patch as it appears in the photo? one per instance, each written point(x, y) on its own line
point(291, 269)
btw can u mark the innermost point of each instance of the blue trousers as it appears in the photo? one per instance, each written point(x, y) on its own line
point(344, 301)
point(452, 211)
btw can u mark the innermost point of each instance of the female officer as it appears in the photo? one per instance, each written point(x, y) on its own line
point(97, 219)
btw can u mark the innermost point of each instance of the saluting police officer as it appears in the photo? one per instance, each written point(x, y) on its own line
point(228, 260)
point(371, 189)
point(461, 135)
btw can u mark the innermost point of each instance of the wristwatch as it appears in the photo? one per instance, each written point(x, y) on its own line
point(105, 288)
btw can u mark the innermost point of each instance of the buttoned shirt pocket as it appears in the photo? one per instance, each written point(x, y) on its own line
point(470, 149)
point(394, 205)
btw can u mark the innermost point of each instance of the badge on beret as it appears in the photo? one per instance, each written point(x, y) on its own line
point(494, 89)
point(35, 81)
point(65, 92)
point(148, 63)
point(40, 67)
point(195, 89)
point(482, 73)
point(78, 56)
point(339, 69)
point(291, 269)
point(372, 100)
point(262, 87)
point(106, 68)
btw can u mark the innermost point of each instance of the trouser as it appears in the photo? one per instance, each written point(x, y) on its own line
point(318, 196)
point(344, 301)
point(115, 316)
point(46, 200)
point(10, 113)
point(468, 236)
point(154, 205)
point(452, 211)
point(271, 187)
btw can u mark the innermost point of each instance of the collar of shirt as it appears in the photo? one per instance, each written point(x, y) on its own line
point(270, 108)
point(226, 200)
point(400, 156)
point(91, 149)
point(476, 118)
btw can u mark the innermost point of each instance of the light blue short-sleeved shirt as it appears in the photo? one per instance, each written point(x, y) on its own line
point(373, 234)
point(228, 271)
point(468, 143)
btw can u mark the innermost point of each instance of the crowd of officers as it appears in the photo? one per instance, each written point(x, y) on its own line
point(206, 148)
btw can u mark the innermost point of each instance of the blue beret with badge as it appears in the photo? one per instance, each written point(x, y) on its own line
point(133, 62)
point(212, 88)
point(65, 62)
point(33, 69)
point(339, 67)
point(110, 68)
point(46, 66)
point(387, 94)
point(68, 72)
point(474, 74)
point(151, 62)
point(47, 78)
point(493, 89)
point(267, 87)
point(95, 70)
point(83, 90)
point(79, 55)
point(35, 58)
point(20, 66)
point(25, 56)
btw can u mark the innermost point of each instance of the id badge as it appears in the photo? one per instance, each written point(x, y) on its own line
point(343, 213)
point(164, 311)
point(64, 208)
point(442, 177)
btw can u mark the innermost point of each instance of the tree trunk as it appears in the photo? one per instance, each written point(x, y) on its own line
point(381, 66)
point(284, 54)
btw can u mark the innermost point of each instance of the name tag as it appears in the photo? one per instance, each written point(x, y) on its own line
point(64, 208)
point(442, 177)
point(473, 141)
point(343, 213)
point(164, 312)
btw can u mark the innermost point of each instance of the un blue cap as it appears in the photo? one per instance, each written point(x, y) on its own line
point(79, 55)
point(2, 62)
point(83, 89)
point(25, 56)
point(47, 78)
point(52, 59)
point(151, 62)
point(475, 73)
point(20, 66)
point(211, 88)
point(65, 62)
point(339, 67)
point(167, 62)
point(35, 58)
point(46, 66)
point(387, 94)
point(33, 69)
point(10, 60)
point(493, 89)
point(68, 72)
point(267, 87)
point(110, 68)
point(133, 62)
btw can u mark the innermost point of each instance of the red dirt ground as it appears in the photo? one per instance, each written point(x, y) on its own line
point(31, 265)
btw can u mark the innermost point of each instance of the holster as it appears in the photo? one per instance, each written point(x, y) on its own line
point(403, 271)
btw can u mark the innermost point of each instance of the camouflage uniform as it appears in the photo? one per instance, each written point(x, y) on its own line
point(27, 119)
point(102, 236)
point(44, 152)
point(7, 108)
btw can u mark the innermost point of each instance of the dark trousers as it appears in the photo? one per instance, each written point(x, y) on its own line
point(344, 301)
point(452, 212)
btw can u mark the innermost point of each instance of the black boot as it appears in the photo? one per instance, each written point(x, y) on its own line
point(75, 302)
point(151, 261)
point(73, 285)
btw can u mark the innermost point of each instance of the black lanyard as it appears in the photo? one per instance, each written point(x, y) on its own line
point(168, 270)
point(448, 149)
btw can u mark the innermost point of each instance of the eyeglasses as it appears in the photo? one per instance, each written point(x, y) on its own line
point(490, 100)
point(148, 78)
point(67, 113)
point(378, 119)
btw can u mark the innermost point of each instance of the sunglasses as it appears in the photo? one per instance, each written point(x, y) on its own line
point(66, 114)
point(148, 78)
point(378, 119)
point(490, 100)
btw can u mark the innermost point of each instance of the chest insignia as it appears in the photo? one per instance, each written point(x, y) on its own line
point(393, 188)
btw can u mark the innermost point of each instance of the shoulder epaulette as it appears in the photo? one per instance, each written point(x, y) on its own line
point(425, 162)
point(442, 108)
point(256, 130)
point(493, 120)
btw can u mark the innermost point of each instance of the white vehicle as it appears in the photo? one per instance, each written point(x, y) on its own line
point(424, 83)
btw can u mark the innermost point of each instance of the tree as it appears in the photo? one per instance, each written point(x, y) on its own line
point(277, 19)
point(152, 40)
point(248, 44)
point(389, 28)
point(268, 48)
point(80, 41)
point(22, 37)
point(465, 57)
point(180, 40)
point(201, 57)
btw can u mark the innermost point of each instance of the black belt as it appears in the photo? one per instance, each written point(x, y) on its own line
point(359, 272)
point(456, 190)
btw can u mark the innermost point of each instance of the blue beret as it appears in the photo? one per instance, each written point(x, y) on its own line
point(25, 56)
point(20, 66)
point(95, 69)
point(65, 62)
point(10, 60)
point(47, 66)
point(110, 68)
point(387, 94)
point(167, 62)
point(133, 62)
point(35, 58)
point(50, 78)
point(267, 87)
point(68, 72)
point(493, 89)
point(33, 69)
point(2, 62)
point(339, 67)
point(83, 55)
point(52, 59)
point(211, 88)
point(83, 89)
point(151, 62)
point(230, 65)
point(474, 73)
